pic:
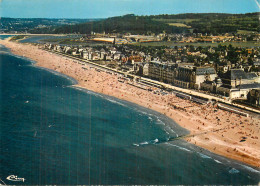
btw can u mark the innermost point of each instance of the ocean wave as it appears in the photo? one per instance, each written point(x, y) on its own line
point(168, 128)
point(100, 95)
point(150, 118)
point(181, 148)
point(233, 171)
point(155, 141)
point(86, 91)
point(160, 122)
point(4, 52)
point(94, 94)
point(217, 161)
point(144, 113)
point(204, 156)
point(146, 142)
point(166, 131)
point(116, 102)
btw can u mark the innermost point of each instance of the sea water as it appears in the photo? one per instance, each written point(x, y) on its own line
point(5, 36)
point(52, 133)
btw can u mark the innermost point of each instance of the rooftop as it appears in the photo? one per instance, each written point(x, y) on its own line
point(205, 70)
point(250, 86)
point(240, 74)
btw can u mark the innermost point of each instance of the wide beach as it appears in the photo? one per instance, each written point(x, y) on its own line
point(201, 120)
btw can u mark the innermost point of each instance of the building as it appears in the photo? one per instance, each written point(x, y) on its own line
point(161, 71)
point(146, 69)
point(134, 59)
point(202, 74)
point(117, 55)
point(254, 97)
point(237, 84)
point(236, 77)
point(192, 77)
point(183, 76)
point(84, 54)
point(242, 91)
point(211, 86)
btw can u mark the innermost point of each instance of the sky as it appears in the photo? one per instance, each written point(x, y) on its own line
point(110, 8)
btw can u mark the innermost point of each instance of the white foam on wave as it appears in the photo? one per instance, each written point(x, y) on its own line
point(86, 91)
point(233, 171)
point(181, 148)
point(166, 131)
point(116, 102)
point(150, 118)
point(94, 94)
point(147, 142)
point(144, 113)
point(160, 122)
point(144, 143)
point(171, 130)
point(155, 141)
point(217, 161)
point(204, 156)
point(4, 52)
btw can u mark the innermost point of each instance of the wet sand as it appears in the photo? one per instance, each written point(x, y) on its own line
point(221, 132)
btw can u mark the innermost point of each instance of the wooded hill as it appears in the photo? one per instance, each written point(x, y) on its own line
point(211, 23)
point(41, 24)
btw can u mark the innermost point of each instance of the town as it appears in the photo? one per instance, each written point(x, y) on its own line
point(229, 72)
point(128, 38)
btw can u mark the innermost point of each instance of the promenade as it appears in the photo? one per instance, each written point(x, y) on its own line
point(165, 85)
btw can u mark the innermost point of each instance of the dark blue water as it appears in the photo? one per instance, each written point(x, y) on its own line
point(52, 133)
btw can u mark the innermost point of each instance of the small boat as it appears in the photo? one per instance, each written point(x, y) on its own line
point(15, 178)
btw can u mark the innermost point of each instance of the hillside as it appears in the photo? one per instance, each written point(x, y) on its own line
point(211, 23)
point(42, 24)
point(122, 24)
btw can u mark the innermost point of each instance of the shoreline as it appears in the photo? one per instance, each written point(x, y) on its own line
point(190, 116)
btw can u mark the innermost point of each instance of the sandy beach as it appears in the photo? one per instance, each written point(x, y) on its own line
point(221, 132)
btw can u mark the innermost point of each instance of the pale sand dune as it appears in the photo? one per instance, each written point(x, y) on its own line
point(196, 118)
